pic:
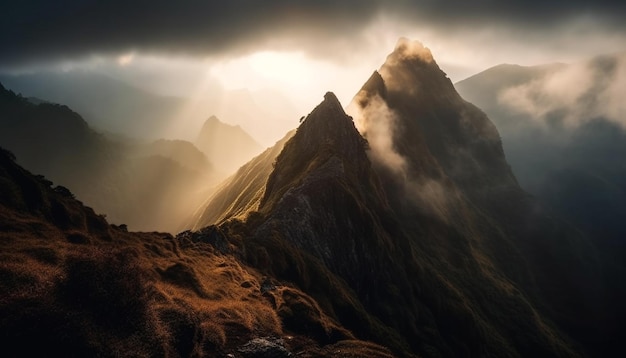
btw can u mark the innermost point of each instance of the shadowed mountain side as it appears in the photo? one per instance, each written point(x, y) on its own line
point(550, 261)
point(240, 193)
point(227, 147)
point(437, 250)
point(147, 186)
point(75, 286)
point(563, 132)
point(426, 286)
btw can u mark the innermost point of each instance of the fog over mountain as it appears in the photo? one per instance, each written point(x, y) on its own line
point(564, 128)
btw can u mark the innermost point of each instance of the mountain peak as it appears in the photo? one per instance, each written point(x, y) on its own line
point(226, 146)
point(407, 49)
point(327, 123)
point(434, 131)
point(326, 133)
point(213, 118)
point(331, 100)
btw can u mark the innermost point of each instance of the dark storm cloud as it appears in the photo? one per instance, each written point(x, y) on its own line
point(32, 30)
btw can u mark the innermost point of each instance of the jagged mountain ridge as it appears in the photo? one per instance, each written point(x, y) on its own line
point(326, 202)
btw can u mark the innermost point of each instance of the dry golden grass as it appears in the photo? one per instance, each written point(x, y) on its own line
point(76, 288)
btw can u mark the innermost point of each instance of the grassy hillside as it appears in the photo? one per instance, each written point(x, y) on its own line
point(76, 286)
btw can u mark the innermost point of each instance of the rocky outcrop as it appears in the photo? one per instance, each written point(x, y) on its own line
point(267, 347)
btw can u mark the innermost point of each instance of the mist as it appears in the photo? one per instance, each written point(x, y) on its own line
point(563, 129)
point(377, 123)
point(576, 94)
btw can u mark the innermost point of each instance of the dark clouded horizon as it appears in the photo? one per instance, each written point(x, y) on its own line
point(42, 30)
point(280, 56)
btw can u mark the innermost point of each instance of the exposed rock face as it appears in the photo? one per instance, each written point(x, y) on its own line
point(325, 199)
point(265, 348)
point(433, 127)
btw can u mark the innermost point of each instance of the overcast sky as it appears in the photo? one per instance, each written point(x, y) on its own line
point(302, 48)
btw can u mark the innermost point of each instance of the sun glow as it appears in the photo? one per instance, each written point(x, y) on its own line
point(126, 59)
point(291, 70)
point(303, 79)
point(288, 68)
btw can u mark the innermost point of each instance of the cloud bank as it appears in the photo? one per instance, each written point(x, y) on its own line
point(574, 94)
point(41, 29)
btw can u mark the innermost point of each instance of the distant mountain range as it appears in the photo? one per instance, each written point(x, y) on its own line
point(112, 106)
point(108, 104)
point(393, 228)
point(227, 147)
point(147, 186)
point(564, 133)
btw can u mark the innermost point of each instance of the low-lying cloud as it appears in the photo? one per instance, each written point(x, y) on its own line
point(573, 94)
point(377, 123)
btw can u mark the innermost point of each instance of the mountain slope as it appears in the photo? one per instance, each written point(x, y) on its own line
point(181, 151)
point(545, 257)
point(75, 286)
point(240, 193)
point(324, 200)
